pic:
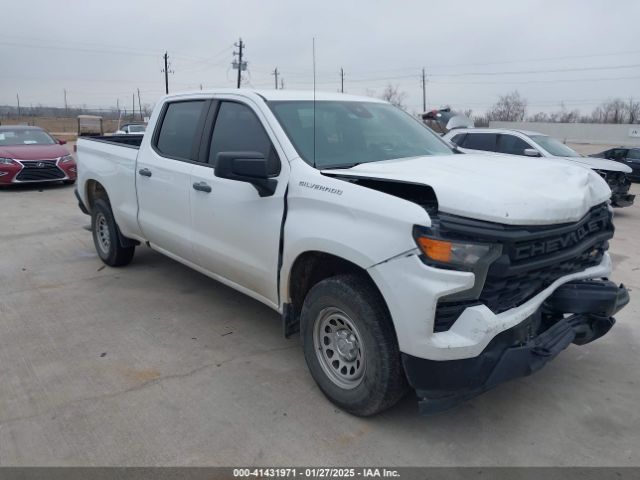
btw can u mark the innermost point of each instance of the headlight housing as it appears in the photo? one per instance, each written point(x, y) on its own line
point(66, 159)
point(457, 254)
point(6, 161)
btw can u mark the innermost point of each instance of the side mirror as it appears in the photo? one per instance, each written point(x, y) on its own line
point(531, 152)
point(250, 167)
point(62, 142)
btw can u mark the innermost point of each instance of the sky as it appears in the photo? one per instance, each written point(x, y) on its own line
point(562, 52)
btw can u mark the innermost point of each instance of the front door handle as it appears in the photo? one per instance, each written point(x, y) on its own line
point(202, 187)
point(145, 172)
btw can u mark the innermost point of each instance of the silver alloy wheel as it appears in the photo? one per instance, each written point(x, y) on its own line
point(339, 348)
point(102, 233)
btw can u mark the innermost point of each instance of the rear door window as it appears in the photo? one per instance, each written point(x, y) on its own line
point(481, 141)
point(512, 145)
point(179, 129)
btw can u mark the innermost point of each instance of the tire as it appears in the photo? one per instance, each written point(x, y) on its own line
point(106, 236)
point(346, 315)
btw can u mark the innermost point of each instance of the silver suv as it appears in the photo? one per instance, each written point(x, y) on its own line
point(533, 144)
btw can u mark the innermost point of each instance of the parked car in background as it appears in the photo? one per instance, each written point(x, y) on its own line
point(533, 144)
point(398, 261)
point(131, 129)
point(444, 120)
point(630, 156)
point(30, 154)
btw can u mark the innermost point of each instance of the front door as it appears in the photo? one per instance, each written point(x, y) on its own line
point(236, 233)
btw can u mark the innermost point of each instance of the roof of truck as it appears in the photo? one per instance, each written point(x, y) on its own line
point(282, 95)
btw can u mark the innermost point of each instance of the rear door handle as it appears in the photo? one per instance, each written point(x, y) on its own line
point(202, 187)
point(145, 172)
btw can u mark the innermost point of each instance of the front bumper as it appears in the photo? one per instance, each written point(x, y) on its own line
point(411, 290)
point(33, 171)
point(522, 349)
point(622, 199)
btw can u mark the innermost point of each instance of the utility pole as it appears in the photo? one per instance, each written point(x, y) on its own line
point(66, 107)
point(140, 105)
point(341, 80)
point(18, 97)
point(239, 65)
point(281, 83)
point(133, 104)
point(275, 74)
point(118, 105)
point(166, 72)
point(424, 91)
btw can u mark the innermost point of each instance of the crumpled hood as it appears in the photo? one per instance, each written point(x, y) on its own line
point(599, 163)
point(503, 189)
point(33, 152)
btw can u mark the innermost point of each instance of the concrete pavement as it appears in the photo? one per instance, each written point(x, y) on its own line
point(155, 364)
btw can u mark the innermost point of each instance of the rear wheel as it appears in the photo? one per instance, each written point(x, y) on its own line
point(350, 345)
point(107, 237)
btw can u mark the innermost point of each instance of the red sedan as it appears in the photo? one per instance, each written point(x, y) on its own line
point(30, 154)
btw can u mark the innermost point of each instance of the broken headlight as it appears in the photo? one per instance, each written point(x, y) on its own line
point(456, 254)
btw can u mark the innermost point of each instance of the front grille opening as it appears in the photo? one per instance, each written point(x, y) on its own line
point(40, 171)
point(533, 258)
point(448, 312)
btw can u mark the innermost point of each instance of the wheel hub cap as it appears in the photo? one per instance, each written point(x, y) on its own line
point(102, 233)
point(339, 349)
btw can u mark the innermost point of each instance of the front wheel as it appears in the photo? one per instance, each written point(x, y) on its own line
point(106, 236)
point(350, 345)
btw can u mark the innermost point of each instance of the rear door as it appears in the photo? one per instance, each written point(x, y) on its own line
point(236, 233)
point(480, 142)
point(163, 177)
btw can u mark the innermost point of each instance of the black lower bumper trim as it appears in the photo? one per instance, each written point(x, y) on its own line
point(520, 350)
point(622, 199)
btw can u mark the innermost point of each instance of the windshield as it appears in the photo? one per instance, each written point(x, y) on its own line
point(23, 136)
point(348, 133)
point(553, 146)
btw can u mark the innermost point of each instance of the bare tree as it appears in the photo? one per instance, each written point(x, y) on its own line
point(394, 96)
point(509, 108)
point(540, 117)
point(633, 110)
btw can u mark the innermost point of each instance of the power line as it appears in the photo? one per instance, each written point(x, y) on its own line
point(524, 82)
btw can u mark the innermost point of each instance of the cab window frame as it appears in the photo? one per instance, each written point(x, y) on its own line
point(210, 125)
point(197, 140)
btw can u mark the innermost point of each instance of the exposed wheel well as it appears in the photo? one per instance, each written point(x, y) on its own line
point(309, 269)
point(95, 190)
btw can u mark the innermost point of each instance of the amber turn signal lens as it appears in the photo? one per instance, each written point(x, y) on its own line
point(437, 250)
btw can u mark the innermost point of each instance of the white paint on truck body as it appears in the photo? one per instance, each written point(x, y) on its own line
point(234, 235)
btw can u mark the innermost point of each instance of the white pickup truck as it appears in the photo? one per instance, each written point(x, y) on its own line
point(401, 262)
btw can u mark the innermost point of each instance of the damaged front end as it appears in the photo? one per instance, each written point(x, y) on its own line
point(619, 183)
point(578, 312)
